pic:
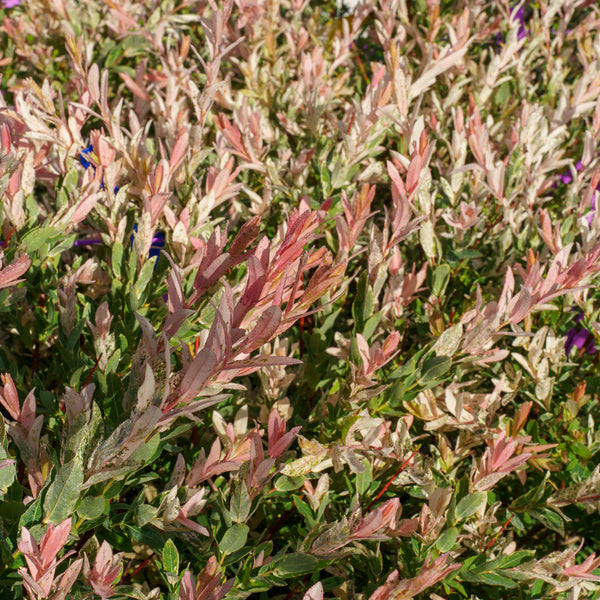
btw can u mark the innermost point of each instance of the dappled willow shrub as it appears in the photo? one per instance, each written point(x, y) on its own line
point(297, 300)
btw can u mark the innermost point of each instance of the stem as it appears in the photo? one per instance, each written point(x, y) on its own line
point(493, 541)
point(387, 485)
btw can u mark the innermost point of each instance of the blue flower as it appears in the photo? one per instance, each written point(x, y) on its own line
point(86, 164)
point(158, 241)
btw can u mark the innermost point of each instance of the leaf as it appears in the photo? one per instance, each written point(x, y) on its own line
point(448, 342)
point(241, 504)
point(144, 513)
point(297, 564)
point(197, 373)
point(234, 538)
point(362, 308)
point(364, 479)
point(303, 465)
point(288, 484)
point(37, 237)
point(144, 278)
point(446, 541)
point(9, 274)
point(434, 368)
point(440, 279)
point(264, 329)
point(170, 557)
point(8, 470)
point(63, 492)
point(83, 435)
point(91, 507)
point(470, 504)
point(550, 519)
point(315, 592)
point(532, 498)
point(516, 558)
point(144, 535)
point(497, 579)
point(428, 239)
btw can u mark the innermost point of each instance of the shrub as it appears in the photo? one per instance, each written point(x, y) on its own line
point(297, 300)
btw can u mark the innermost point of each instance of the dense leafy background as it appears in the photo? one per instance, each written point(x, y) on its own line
point(299, 300)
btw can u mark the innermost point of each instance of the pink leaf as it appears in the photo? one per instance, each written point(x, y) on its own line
point(264, 330)
point(247, 234)
point(197, 373)
point(53, 540)
point(67, 579)
point(179, 148)
point(9, 397)
point(10, 274)
point(315, 592)
point(522, 306)
point(188, 587)
point(261, 361)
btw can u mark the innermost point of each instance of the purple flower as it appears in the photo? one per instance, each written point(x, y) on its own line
point(592, 212)
point(519, 15)
point(11, 3)
point(88, 242)
point(581, 337)
point(516, 14)
point(567, 177)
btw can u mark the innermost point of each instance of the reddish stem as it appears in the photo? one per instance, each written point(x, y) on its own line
point(141, 566)
point(92, 372)
point(493, 541)
point(350, 124)
point(387, 485)
point(9, 236)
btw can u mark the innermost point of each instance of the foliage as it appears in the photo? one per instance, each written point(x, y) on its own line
point(298, 300)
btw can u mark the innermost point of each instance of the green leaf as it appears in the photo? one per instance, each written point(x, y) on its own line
point(297, 564)
point(434, 368)
point(515, 559)
point(144, 535)
point(305, 510)
point(362, 309)
point(288, 484)
point(449, 340)
point(170, 558)
point(447, 540)
point(83, 434)
point(580, 450)
point(470, 504)
point(549, 519)
point(144, 278)
point(240, 504)
point(532, 498)
point(117, 259)
point(34, 511)
point(234, 538)
point(364, 479)
point(144, 514)
point(371, 325)
point(37, 237)
point(496, 579)
point(91, 507)
point(146, 451)
point(63, 492)
point(440, 279)
point(7, 473)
